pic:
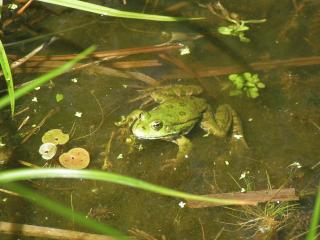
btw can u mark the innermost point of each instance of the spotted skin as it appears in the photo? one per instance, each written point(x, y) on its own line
point(175, 116)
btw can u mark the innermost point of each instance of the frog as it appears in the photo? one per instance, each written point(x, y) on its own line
point(178, 111)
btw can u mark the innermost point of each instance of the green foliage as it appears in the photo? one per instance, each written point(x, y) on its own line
point(65, 212)
point(94, 8)
point(4, 101)
point(237, 28)
point(8, 76)
point(246, 82)
point(312, 235)
point(59, 97)
point(28, 174)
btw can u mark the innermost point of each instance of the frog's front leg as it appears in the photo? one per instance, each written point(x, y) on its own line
point(185, 147)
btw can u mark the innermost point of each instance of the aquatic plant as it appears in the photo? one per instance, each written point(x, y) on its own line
point(76, 158)
point(28, 174)
point(102, 10)
point(265, 219)
point(4, 101)
point(55, 136)
point(48, 150)
point(8, 76)
point(312, 234)
point(246, 82)
point(238, 28)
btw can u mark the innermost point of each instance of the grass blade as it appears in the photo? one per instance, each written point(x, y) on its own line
point(27, 174)
point(65, 212)
point(8, 76)
point(46, 77)
point(315, 218)
point(94, 8)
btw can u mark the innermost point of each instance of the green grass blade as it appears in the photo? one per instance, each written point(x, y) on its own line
point(27, 174)
point(7, 75)
point(94, 8)
point(315, 218)
point(65, 212)
point(46, 77)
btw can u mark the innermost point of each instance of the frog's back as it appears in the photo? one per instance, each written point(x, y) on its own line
point(182, 109)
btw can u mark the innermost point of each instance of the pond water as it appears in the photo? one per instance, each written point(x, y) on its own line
point(281, 126)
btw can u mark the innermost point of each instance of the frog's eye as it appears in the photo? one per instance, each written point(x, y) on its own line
point(156, 125)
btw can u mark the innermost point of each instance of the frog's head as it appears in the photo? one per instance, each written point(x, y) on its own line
point(149, 127)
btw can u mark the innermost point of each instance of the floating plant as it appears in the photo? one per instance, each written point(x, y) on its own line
point(55, 136)
point(238, 28)
point(76, 158)
point(246, 82)
point(48, 150)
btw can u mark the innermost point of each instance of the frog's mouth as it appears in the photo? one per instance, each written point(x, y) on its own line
point(142, 133)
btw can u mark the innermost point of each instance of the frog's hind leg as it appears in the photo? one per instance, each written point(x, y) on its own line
point(218, 125)
point(224, 119)
point(185, 147)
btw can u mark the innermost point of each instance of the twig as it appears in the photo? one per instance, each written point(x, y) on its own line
point(40, 124)
point(106, 161)
point(114, 53)
point(22, 60)
point(220, 71)
point(253, 197)
point(18, 13)
point(219, 233)
point(202, 230)
point(9, 192)
point(47, 232)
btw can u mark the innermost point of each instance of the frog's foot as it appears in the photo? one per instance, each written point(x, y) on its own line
point(171, 164)
point(224, 119)
point(219, 124)
point(185, 147)
point(238, 141)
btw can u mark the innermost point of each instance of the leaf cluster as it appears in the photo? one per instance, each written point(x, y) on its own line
point(246, 82)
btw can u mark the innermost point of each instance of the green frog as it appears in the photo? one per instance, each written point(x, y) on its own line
point(176, 115)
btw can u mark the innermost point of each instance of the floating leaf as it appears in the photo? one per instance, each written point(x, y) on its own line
point(225, 30)
point(48, 150)
point(261, 85)
point(55, 136)
point(235, 93)
point(59, 97)
point(76, 158)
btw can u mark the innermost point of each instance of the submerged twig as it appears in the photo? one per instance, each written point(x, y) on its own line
point(252, 197)
point(220, 71)
point(113, 53)
point(40, 124)
point(106, 161)
point(18, 13)
point(47, 232)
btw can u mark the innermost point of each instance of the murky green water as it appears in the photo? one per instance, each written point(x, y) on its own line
point(281, 126)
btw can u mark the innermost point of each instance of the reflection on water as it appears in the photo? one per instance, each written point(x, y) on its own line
point(281, 126)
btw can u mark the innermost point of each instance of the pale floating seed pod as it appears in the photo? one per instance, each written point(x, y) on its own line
point(48, 150)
